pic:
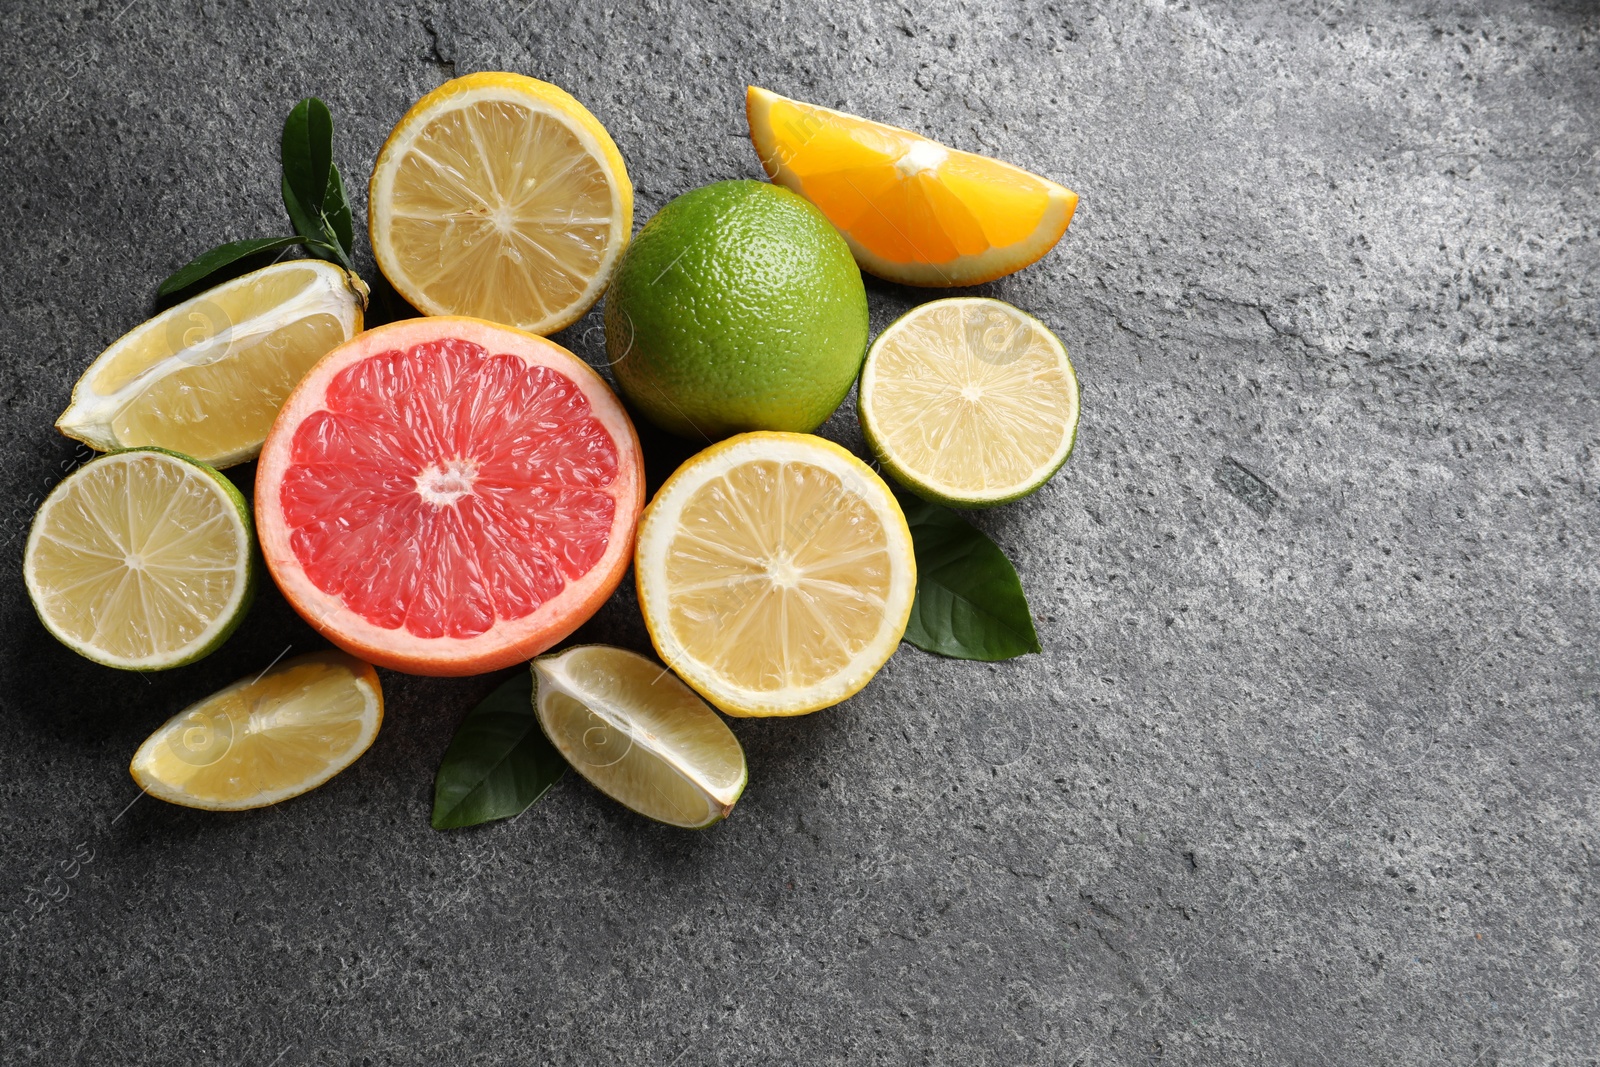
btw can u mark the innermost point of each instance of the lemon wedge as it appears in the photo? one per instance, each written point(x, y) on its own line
point(207, 376)
point(266, 738)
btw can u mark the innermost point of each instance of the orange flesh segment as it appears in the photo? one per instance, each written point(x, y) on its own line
point(854, 170)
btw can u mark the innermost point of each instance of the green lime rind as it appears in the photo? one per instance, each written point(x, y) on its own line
point(220, 635)
point(737, 307)
point(933, 496)
point(931, 493)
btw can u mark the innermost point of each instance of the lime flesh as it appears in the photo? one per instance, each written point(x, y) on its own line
point(969, 402)
point(639, 735)
point(142, 559)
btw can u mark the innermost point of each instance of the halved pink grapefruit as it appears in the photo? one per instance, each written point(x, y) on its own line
point(449, 496)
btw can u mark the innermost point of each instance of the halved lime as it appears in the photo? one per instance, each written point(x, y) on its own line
point(141, 560)
point(267, 738)
point(969, 402)
point(639, 735)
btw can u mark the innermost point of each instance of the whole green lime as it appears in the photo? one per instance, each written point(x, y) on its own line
point(737, 307)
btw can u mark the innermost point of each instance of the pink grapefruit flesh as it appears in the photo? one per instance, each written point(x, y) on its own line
point(449, 496)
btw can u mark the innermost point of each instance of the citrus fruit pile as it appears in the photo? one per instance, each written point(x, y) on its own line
point(455, 494)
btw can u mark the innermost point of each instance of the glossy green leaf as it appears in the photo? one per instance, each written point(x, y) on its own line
point(969, 602)
point(499, 761)
point(307, 154)
point(336, 210)
point(319, 237)
point(208, 263)
point(313, 188)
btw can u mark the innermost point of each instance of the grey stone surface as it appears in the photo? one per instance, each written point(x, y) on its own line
point(1307, 771)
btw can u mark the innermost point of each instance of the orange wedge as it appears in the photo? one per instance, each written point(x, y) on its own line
point(913, 210)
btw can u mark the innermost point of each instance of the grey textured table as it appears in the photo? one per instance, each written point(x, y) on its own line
point(1307, 771)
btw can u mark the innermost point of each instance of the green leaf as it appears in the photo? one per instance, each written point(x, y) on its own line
point(336, 212)
point(208, 263)
point(307, 154)
point(313, 188)
point(320, 239)
point(969, 602)
point(306, 223)
point(498, 763)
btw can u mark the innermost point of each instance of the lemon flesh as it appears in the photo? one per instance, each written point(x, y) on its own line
point(207, 377)
point(141, 560)
point(500, 197)
point(266, 738)
point(775, 573)
point(969, 402)
point(639, 735)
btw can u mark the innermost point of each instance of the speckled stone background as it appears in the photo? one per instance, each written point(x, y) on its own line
point(1307, 772)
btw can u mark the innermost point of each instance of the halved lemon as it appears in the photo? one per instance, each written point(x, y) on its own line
point(969, 402)
point(207, 377)
point(264, 739)
point(639, 735)
point(775, 573)
point(142, 560)
point(500, 197)
point(913, 210)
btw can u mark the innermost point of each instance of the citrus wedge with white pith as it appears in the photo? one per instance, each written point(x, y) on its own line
point(639, 735)
point(775, 573)
point(969, 402)
point(265, 738)
point(500, 197)
point(207, 376)
point(914, 211)
point(142, 560)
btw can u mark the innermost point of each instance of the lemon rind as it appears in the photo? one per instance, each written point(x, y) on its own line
point(547, 99)
point(660, 519)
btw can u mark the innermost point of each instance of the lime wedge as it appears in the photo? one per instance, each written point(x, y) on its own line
point(969, 402)
point(141, 560)
point(639, 735)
